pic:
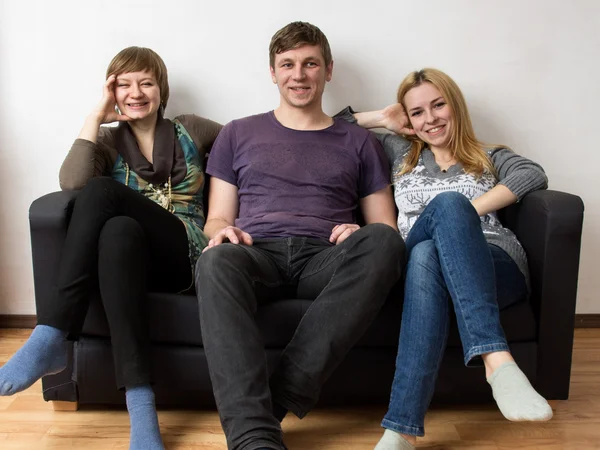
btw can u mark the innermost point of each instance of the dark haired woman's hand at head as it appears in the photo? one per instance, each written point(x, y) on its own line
point(104, 112)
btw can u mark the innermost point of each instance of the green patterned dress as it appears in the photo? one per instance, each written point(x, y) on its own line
point(186, 197)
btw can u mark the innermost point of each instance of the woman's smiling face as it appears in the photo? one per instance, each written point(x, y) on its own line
point(137, 94)
point(430, 115)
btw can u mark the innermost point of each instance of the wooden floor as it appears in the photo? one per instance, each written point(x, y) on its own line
point(27, 422)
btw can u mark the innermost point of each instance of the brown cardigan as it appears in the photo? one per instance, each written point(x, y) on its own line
point(86, 160)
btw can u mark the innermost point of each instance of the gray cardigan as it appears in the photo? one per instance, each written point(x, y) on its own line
point(414, 190)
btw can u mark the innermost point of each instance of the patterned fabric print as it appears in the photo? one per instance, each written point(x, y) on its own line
point(187, 196)
point(413, 192)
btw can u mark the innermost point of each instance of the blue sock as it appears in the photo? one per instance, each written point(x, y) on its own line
point(145, 431)
point(44, 353)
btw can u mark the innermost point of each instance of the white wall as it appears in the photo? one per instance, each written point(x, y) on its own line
point(528, 69)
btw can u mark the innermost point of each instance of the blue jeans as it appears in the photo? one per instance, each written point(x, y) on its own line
point(449, 259)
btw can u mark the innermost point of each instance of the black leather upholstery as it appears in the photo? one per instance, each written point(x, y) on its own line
point(540, 331)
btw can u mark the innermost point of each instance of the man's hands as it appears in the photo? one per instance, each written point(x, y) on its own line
point(232, 234)
point(341, 232)
point(237, 236)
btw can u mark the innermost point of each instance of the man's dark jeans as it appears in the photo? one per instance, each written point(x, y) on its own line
point(349, 283)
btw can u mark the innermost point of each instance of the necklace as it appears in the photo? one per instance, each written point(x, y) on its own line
point(445, 165)
point(160, 194)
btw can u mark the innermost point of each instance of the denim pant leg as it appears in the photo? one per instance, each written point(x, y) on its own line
point(450, 220)
point(350, 282)
point(423, 337)
point(511, 285)
point(424, 331)
point(226, 278)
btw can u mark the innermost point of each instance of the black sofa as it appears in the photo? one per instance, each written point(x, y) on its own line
point(540, 331)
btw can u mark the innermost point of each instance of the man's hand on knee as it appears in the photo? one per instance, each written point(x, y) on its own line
point(341, 232)
point(229, 234)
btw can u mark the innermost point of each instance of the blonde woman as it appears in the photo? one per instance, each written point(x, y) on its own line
point(448, 187)
point(136, 224)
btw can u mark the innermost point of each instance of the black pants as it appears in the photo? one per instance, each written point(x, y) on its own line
point(349, 283)
point(121, 243)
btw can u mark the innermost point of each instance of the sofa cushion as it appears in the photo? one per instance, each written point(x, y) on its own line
point(363, 378)
point(174, 319)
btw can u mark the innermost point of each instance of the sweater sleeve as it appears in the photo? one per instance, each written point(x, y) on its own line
point(517, 173)
point(86, 160)
point(396, 147)
point(202, 131)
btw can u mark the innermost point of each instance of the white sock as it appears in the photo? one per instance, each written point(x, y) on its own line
point(517, 399)
point(392, 440)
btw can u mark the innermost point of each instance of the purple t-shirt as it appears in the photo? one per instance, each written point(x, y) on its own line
point(297, 183)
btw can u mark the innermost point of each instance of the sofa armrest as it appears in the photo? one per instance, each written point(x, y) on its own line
point(549, 225)
point(48, 221)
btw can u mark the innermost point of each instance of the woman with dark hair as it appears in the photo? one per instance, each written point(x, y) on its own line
point(136, 225)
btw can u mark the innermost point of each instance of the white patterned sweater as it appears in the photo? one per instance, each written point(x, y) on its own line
point(413, 191)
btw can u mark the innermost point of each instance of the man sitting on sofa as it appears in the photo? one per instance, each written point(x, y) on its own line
point(283, 202)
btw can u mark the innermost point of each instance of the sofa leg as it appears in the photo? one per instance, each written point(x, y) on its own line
point(64, 406)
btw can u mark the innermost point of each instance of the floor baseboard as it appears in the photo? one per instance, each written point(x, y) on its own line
point(17, 321)
point(587, 320)
point(29, 321)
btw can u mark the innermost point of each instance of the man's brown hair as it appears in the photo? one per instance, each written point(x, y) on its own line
point(297, 34)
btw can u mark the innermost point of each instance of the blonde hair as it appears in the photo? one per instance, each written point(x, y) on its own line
point(138, 59)
point(465, 147)
point(297, 34)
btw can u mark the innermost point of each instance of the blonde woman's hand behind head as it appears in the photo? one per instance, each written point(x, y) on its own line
point(395, 119)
